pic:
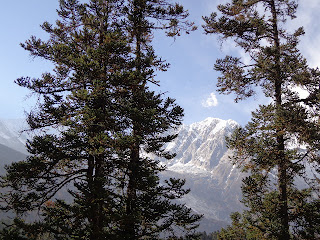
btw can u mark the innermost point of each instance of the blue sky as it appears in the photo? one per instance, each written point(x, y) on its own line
point(190, 79)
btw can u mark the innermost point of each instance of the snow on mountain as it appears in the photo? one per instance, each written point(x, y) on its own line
point(204, 161)
point(200, 146)
point(12, 135)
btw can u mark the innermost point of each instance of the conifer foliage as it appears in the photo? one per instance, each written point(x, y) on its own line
point(94, 124)
point(270, 146)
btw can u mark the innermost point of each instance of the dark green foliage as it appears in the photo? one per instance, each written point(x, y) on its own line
point(103, 118)
point(241, 229)
point(269, 147)
point(209, 236)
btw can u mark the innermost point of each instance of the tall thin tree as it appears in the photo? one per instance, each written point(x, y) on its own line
point(150, 124)
point(270, 145)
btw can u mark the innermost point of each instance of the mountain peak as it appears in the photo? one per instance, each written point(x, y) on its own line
point(200, 146)
point(213, 122)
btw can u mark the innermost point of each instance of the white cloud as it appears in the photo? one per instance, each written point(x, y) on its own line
point(211, 101)
point(307, 16)
point(303, 93)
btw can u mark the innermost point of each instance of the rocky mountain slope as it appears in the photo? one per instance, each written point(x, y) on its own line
point(204, 161)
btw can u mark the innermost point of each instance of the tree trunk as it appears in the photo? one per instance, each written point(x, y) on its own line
point(282, 165)
point(130, 226)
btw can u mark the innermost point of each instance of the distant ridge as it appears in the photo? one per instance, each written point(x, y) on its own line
point(8, 156)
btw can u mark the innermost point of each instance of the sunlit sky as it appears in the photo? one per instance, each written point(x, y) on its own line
point(191, 78)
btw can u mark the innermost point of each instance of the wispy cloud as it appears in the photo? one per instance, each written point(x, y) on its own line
point(211, 101)
point(307, 16)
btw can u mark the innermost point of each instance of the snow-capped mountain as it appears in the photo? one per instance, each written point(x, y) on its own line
point(204, 161)
point(200, 146)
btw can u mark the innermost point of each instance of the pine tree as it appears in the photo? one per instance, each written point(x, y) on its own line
point(269, 146)
point(147, 127)
point(103, 121)
point(240, 229)
point(90, 54)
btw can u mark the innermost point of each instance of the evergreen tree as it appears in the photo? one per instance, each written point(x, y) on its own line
point(240, 229)
point(103, 118)
point(209, 236)
point(270, 145)
point(144, 17)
